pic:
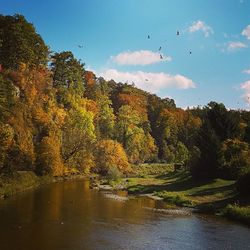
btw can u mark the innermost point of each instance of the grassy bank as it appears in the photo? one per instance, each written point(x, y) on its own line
point(237, 213)
point(178, 188)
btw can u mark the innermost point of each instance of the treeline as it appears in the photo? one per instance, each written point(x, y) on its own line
point(57, 118)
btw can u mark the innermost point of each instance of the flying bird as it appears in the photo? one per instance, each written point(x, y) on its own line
point(146, 80)
point(160, 48)
point(148, 36)
point(190, 52)
point(80, 46)
point(161, 56)
point(177, 32)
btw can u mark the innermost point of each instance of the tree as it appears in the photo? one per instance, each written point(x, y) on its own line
point(182, 154)
point(49, 159)
point(110, 154)
point(6, 141)
point(218, 125)
point(206, 166)
point(78, 135)
point(19, 43)
point(7, 94)
point(105, 118)
point(234, 158)
point(68, 75)
point(127, 118)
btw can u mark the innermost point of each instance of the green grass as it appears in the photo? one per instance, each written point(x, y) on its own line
point(237, 213)
point(152, 168)
point(175, 198)
point(180, 189)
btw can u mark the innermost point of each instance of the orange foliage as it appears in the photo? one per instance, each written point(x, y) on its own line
point(90, 78)
point(92, 106)
point(111, 154)
point(49, 159)
point(137, 102)
point(32, 82)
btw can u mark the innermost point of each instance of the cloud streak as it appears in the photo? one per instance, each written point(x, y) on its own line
point(141, 57)
point(148, 81)
point(235, 46)
point(201, 26)
point(246, 32)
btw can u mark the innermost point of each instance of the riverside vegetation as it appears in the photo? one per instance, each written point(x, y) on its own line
point(57, 119)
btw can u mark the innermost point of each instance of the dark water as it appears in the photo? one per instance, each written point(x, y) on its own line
point(71, 216)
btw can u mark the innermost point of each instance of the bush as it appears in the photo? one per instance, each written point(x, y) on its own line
point(114, 173)
point(238, 213)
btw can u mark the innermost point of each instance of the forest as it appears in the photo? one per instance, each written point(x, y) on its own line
point(57, 118)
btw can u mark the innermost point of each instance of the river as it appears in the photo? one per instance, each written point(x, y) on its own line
point(69, 215)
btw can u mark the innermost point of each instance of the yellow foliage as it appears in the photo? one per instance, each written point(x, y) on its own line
point(49, 159)
point(110, 154)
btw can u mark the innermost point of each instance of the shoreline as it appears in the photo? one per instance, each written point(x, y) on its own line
point(225, 207)
point(21, 181)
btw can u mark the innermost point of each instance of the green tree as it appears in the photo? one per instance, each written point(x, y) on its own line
point(105, 117)
point(127, 118)
point(181, 154)
point(78, 135)
point(67, 71)
point(234, 158)
point(19, 43)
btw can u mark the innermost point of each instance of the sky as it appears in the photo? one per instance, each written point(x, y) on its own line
point(136, 41)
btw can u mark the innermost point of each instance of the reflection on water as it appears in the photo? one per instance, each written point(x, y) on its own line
point(68, 215)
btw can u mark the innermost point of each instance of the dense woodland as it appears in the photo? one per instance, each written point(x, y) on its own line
point(58, 118)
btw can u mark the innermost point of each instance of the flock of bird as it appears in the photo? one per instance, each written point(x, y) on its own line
point(177, 33)
point(161, 56)
point(80, 46)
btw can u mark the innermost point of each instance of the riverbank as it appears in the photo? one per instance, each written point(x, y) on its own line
point(177, 188)
point(157, 181)
point(21, 181)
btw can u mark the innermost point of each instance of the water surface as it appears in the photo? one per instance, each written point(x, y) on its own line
point(68, 215)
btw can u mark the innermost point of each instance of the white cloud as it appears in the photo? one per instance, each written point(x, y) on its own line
point(201, 26)
point(148, 81)
point(235, 45)
point(246, 71)
point(246, 87)
point(141, 57)
point(246, 32)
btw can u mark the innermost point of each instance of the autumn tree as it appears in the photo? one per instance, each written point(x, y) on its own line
point(6, 141)
point(49, 161)
point(110, 154)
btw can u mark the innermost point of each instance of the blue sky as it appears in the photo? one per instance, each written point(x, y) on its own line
point(114, 35)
